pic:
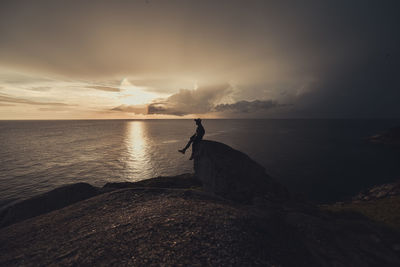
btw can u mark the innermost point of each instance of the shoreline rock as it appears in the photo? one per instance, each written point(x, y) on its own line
point(378, 192)
point(69, 194)
point(380, 203)
point(234, 175)
point(161, 226)
point(47, 202)
point(391, 137)
point(171, 221)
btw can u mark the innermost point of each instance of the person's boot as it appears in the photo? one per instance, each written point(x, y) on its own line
point(182, 151)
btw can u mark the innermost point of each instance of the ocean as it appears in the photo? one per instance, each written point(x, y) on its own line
point(325, 160)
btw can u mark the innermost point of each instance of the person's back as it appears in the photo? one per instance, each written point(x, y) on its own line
point(196, 138)
point(200, 131)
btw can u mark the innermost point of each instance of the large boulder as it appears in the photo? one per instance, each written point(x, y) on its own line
point(232, 174)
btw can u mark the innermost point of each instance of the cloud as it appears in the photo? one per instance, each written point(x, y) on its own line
point(16, 100)
point(137, 109)
point(347, 51)
point(247, 106)
point(204, 100)
point(197, 101)
point(105, 88)
point(40, 89)
point(17, 78)
point(366, 89)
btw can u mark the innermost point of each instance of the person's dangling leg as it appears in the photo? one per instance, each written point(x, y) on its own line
point(186, 147)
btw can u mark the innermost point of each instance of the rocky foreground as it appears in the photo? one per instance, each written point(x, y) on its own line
point(390, 137)
point(176, 221)
point(380, 203)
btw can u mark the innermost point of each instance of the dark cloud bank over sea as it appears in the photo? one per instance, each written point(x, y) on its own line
point(200, 101)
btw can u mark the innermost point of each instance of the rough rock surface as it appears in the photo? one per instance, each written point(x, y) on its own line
point(178, 227)
point(232, 174)
point(43, 203)
point(69, 194)
point(186, 180)
point(391, 137)
point(379, 192)
point(380, 203)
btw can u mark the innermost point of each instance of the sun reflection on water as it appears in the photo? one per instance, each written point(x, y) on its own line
point(138, 160)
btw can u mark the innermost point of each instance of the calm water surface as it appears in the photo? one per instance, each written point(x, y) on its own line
point(324, 159)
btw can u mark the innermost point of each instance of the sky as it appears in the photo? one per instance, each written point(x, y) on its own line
point(210, 59)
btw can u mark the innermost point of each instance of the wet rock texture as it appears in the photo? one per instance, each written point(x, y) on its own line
point(232, 174)
point(165, 227)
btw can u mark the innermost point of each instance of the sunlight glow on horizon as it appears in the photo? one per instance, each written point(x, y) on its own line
point(135, 95)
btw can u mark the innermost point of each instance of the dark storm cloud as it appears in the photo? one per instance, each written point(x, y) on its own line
point(8, 99)
point(247, 106)
point(164, 108)
point(369, 88)
point(362, 81)
point(249, 38)
point(197, 101)
point(205, 99)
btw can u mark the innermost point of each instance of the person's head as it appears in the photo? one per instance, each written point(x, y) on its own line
point(198, 121)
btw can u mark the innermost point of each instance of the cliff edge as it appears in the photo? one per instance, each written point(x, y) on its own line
point(232, 174)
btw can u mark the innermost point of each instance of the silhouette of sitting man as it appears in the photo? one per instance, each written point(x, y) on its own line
point(195, 139)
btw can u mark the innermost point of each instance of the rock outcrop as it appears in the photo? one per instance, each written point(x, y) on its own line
point(70, 194)
point(52, 200)
point(379, 192)
point(380, 203)
point(232, 174)
point(186, 180)
point(174, 227)
point(391, 137)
